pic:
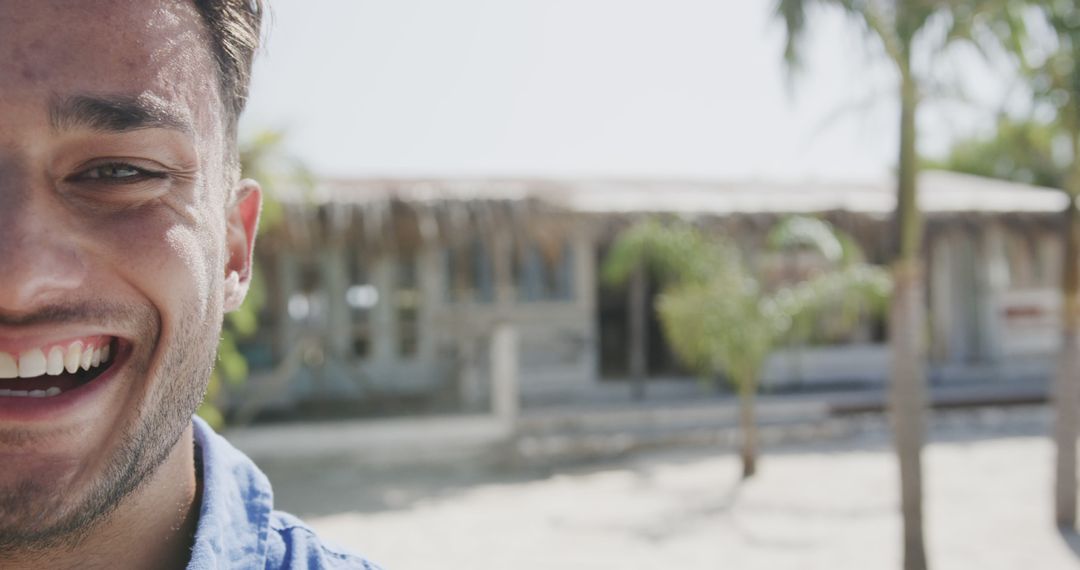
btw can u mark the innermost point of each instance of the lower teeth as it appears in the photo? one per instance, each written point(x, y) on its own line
point(54, 391)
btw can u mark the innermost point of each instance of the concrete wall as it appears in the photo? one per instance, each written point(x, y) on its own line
point(557, 339)
point(827, 365)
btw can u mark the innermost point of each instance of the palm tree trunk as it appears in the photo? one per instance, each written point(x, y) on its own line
point(908, 402)
point(907, 320)
point(1067, 384)
point(748, 426)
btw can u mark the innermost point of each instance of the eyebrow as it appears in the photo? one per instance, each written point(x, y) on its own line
point(115, 113)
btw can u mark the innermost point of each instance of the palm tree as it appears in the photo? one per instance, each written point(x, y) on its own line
point(720, 319)
point(897, 26)
point(1020, 149)
point(1049, 61)
point(1023, 151)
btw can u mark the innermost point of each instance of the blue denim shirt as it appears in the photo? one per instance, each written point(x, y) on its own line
point(238, 526)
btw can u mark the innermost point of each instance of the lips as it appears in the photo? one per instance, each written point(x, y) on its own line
point(52, 369)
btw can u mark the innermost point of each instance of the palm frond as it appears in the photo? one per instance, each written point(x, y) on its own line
point(674, 253)
point(793, 15)
point(715, 330)
point(836, 246)
point(847, 294)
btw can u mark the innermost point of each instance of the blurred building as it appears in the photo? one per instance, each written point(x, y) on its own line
point(391, 288)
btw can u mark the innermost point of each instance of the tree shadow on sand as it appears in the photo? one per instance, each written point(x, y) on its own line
point(332, 485)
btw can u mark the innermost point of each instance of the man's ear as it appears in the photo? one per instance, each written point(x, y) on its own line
point(241, 225)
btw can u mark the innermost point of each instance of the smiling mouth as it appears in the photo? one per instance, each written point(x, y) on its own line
point(49, 371)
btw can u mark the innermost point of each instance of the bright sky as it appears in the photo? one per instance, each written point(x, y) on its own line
point(624, 88)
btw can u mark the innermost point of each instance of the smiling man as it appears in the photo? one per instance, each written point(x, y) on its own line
point(125, 235)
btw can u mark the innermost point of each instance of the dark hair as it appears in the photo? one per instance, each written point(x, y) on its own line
point(235, 28)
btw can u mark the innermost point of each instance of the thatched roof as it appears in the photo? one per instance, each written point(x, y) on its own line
point(403, 213)
point(940, 192)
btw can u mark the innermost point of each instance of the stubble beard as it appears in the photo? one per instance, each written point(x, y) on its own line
point(37, 516)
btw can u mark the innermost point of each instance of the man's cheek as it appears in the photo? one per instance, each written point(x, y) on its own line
point(167, 263)
point(191, 256)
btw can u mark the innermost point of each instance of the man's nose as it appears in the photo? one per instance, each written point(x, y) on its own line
point(40, 261)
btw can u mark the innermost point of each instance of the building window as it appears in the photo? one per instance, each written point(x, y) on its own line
point(1020, 256)
point(308, 304)
point(470, 273)
point(361, 297)
point(544, 275)
point(407, 299)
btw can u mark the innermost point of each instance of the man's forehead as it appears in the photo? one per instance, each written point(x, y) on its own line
point(153, 54)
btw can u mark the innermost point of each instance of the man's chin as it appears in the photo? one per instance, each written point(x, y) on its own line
point(56, 492)
point(38, 513)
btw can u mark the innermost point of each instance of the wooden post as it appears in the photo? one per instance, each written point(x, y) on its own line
point(638, 346)
point(383, 316)
point(501, 249)
point(942, 284)
point(504, 373)
point(585, 293)
point(470, 391)
point(338, 326)
point(993, 281)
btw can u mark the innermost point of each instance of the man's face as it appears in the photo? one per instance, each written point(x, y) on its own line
point(116, 233)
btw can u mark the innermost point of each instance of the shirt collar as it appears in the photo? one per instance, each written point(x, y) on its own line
point(234, 518)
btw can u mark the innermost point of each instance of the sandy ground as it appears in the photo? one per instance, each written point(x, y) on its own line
point(830, 506)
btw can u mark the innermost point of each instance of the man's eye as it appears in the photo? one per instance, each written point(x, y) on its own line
point(117, 172)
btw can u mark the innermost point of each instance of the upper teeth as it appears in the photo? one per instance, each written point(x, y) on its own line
point(52, 361)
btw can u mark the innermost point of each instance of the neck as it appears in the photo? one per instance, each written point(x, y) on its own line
point(154, 527)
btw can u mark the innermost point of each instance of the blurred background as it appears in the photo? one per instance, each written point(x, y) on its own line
point(607, 283)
